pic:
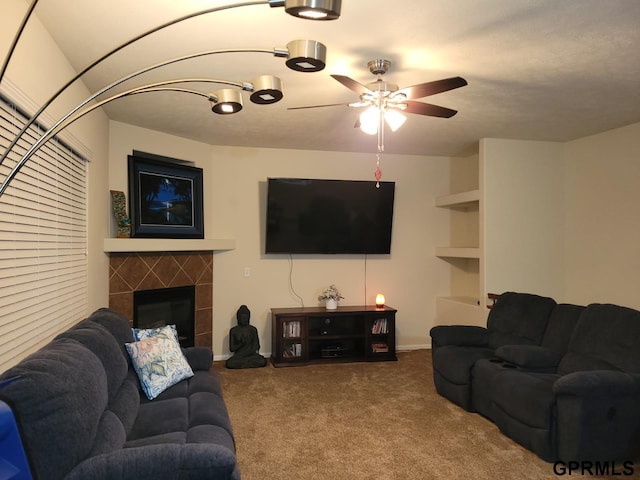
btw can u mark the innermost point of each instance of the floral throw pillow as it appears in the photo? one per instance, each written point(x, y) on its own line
point(159, 363)
point(142, 333)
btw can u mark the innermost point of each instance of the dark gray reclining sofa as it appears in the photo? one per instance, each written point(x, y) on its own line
point(82, 414)
point(573, 397)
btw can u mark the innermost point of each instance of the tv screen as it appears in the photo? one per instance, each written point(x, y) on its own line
point(328, 216)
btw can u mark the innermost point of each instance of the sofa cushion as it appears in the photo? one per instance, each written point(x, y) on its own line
point(560, 327)
point(167, 461)
point(606, 337)
point(202, 381)
point(518, 318)
point(159, 363)
point(100, 341)
point(528, 356)
point(526, 397)
point(59, 399)
point(117, 325)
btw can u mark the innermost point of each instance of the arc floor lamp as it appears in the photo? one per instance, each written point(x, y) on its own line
point(301, 55)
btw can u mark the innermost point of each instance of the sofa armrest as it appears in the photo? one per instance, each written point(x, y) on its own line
point(463, 335)
point(199, 358)
point(529, 356)
point(161, 462)
point(597, 383)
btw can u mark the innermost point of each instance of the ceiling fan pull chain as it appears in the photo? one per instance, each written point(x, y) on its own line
point(378, 172)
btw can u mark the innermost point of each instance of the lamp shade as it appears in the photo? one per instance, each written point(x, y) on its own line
point(226, 101)
point(267, 89)
point(314, 9)
point(394, 119)
point(306, 55)
point(369, 120)
point(380, 300)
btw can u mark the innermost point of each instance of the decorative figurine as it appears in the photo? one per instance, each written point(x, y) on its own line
point(244, 343)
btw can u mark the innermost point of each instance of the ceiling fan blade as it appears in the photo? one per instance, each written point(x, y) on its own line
point(431, 88)
point(351, 84)
point(318, 106)
point(428, 109)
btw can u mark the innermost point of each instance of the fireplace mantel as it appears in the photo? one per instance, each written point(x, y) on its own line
point(121, 245)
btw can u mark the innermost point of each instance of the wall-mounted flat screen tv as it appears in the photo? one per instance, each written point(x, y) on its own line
point(328, 216)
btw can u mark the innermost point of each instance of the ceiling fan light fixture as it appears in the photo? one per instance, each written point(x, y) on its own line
point(306, 55)
point(226, 101)
point(369, 120)
point(394, 119)
point(311, 9)
point(267, 90)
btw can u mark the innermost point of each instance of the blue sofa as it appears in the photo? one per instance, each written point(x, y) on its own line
point(571, 395)
point(82, 413)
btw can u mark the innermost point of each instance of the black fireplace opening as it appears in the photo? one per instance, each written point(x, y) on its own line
point(167, 306)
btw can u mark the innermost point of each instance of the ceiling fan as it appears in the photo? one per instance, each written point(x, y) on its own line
point(386, 100)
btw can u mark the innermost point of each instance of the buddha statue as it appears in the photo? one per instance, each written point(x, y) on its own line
point(244, 343)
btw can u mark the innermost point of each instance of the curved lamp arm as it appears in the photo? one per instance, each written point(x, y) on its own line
point(16, 38)
point(330, 10)
point(76, 114)
point(118, 82)
point(301, 47)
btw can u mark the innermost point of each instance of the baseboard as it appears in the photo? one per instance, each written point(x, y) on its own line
point(408, 348)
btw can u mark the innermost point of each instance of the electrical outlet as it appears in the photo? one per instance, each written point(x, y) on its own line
point(247, 272)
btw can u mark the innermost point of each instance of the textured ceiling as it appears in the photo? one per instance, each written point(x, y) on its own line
point(537, 69)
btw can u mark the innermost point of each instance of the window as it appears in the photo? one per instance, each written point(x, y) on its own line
point(43, 241)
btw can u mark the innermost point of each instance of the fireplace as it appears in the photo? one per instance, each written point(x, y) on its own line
point(166, 306)
point(131, 272)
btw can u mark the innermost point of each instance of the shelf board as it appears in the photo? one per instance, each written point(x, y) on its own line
point(121, 245)
point(346, 336)
point(470, 301)
point(461, 199)
point(458, 252)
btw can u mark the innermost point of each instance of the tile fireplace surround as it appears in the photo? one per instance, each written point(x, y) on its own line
point(133, 271)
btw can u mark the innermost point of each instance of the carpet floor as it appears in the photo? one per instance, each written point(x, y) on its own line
point(360, 421)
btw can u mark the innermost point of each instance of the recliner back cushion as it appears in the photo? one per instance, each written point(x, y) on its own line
point(562, 322)
point(59, 400)
point(518, 319)
point(98, 339)
point(607, 337)
point(117, 325)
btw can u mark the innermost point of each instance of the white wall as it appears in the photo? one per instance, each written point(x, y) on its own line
point(602, 228)
point(235, 189)
point(523, 215)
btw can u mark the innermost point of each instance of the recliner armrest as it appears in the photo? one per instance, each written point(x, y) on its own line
point(199, 358)
point(463, 335)
point(529, 356)
point(597, 382)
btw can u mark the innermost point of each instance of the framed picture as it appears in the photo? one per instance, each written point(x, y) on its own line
point(165, 198)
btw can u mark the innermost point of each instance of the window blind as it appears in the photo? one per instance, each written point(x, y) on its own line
point(43, 240)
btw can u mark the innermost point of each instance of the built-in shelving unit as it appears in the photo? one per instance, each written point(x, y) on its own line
point(119, 245)
point(464, 254)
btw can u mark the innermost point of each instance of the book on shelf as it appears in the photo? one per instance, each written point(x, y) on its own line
point(379, 326)
point(291, 329)
point(292, 351)
point(379, 347)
